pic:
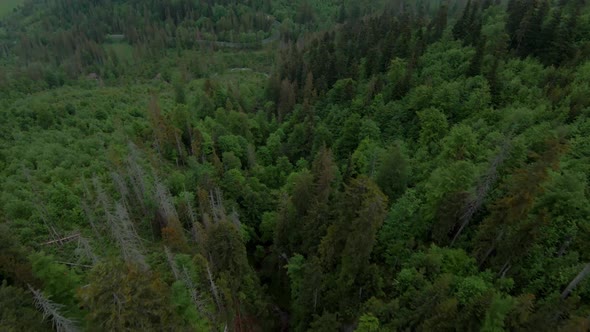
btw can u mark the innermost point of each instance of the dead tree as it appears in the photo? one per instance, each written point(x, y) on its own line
point(235, 218)
point(574, 283)
point(189, 214)
point(192, 289)
point(188, 211)
point(214, 290)
point(63, 240)
point(52, 310)
point(181, 274)
point(121, 186)
point(122, 229)
point(137, 177)
point(85, 250)
point(88, 211)
point(484, 187)
point(216, 203)
point(90, 218)
point(172, 263)
point(127, 238)
point(165, 204)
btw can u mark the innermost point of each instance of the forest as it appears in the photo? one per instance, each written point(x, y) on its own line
point(304, 165)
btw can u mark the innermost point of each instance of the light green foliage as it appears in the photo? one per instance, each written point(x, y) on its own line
point(295, 273)
point(365, 158)
point(349, 136)
point(267, 226)
point(181, 299)
point(274, 145)
point(233, 143)
point(460, 144)
point(8, 6)
point(444, 61)
point(189, 296)
point(397, 69)
point(369, 130)
point(368, 323)
point(499, 308)
point(522, 83)
point(448, 284)
point(59, 282)
point(433, 127)
point(458, 176)
point(342, 91)
point(445, 261)
point(470, 288)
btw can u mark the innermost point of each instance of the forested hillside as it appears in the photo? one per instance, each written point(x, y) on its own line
point(262, 165)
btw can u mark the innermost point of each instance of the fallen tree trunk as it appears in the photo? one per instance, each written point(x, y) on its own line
point(574, 283)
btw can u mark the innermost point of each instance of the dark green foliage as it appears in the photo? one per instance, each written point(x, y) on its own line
point(17, 312)
point(15, 268)
point(477, 60)
point(540, 29)
point(121, 297)
point(393, 174)
point(220, 165)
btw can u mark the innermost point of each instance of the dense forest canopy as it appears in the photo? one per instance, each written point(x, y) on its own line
point(273, 165)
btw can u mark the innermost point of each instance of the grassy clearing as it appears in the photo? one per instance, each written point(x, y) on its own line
point(123, 51)
point(6, 6)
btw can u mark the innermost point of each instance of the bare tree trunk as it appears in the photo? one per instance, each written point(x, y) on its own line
point(189, 130)
point(122, 229)
point(53, 310)
point(164, 201)
point(315, 300)
point(581, 276)
point(216, 203)
point(90, 218)
point(127, 238)
point(491, 249)
point(214, 289)
point(485, 257)
point(63, 240)
point(179, 148)
point(172, 263)
point(85, 249)
point(122, 188)
point(564, 246)
point(505, 269)
point(138, 178)
point(482, 190)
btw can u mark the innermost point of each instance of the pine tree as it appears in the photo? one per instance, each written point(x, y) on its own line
point(393, 173)
point(439, 23)
point(287, 100)
point(346, 249)
point(238, 284)
point(121, 297)
point(508, 224)
point(460, 29)
point(319, 214)
point(477, 60)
